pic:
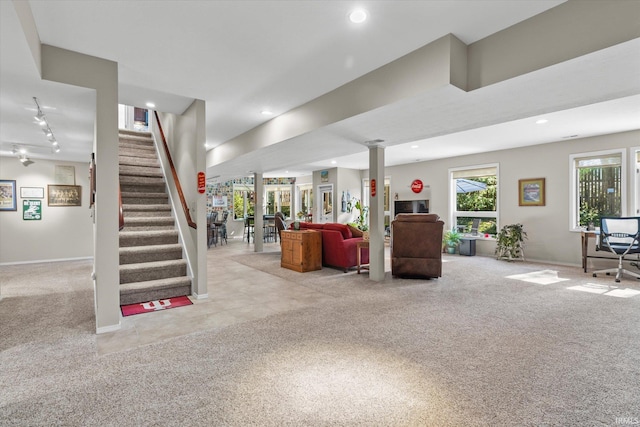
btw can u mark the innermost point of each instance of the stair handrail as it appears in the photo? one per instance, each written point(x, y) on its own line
point(175, 175)
point(121, 213)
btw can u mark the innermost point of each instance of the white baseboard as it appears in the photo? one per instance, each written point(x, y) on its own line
point(111, 328)
point(203, 296)
point(40, 261)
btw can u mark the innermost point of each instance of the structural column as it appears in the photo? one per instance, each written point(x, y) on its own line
point(64, 66)
point(258, 235)
point(376, 213)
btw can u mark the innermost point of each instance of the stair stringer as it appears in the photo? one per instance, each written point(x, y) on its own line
point(186, 235)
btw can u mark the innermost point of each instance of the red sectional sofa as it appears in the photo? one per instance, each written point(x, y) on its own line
point(338, 245)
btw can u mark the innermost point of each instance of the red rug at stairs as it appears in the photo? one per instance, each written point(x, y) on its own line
point(147, 307)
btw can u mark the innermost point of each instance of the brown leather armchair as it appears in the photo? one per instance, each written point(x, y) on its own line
point(416, 245)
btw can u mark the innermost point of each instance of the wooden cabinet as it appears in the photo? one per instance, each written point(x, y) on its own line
point(301, 250)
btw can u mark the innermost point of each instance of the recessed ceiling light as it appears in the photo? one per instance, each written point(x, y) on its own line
point(414, 146)
point(333, 162)
point(541, 121)
point(151, 105)
point(266, 112)
point(358, 16)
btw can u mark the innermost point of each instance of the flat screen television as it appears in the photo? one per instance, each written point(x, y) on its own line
point(410, 206)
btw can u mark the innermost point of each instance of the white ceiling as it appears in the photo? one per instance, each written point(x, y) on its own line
point(244, 56)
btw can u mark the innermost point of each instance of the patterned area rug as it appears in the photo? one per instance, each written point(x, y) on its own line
point(147, 307)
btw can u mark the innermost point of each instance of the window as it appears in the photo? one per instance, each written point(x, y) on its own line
point(474, 199)
point(304, 201)
point(597, 186)
point(243, 202)
point(278, 199)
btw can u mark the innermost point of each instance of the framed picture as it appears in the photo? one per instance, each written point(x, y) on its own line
point(32, 192)
point(324, 176)
point(32, 210)
point(8, 195)
point(531, 192)
point(65, 175)
point(92, 180)
point(64, 195)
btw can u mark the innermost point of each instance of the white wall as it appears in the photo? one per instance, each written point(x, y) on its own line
point(185, 137)
point(349, 180)
point(63, 232)
point(549, 237)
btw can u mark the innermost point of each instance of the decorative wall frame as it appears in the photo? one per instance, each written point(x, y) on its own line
point(8, 195)
point(64, 195)
point(92, 180)
point(32, 192)
point(531, 192)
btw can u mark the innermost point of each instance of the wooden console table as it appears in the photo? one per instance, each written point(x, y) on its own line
point(301, 250)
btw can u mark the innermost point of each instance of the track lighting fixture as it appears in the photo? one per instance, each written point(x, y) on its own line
point(41, 119)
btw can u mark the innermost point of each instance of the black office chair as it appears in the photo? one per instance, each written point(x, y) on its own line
point(620, 237)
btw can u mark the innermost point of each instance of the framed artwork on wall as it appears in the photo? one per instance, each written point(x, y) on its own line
point(531, 192)
point(32, 192)
point(8, 195)
point(64, 195)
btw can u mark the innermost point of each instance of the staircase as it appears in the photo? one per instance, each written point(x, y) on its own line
point(151, 263)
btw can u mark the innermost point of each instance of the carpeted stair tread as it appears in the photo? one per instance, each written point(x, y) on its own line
point(138, 161)
point(141, 254)
point(146, 210)
point(151, 220)
point(144, 271)
point(124, 153)
point(149, 192)
point(134, 133)
point(147, 139)
point(148, 237)
point(141, 180)
point(136, 147)
point(151, 258)
point(153, 290)
point(150, 171)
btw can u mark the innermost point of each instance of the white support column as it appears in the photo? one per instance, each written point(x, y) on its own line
point(376, 213)
point(200, 287)
point(64, 66)
point(258, 234)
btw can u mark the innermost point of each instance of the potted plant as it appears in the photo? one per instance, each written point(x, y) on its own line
point(451, 240)
point(510, 242)
point(589, 216)
point(361, 220)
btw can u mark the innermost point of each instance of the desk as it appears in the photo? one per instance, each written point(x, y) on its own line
point(585, 236)
point(359, 246)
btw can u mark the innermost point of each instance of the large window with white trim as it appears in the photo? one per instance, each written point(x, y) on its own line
point(474, 199)
point(278, 199)
point(597, 187)
point(244, 202)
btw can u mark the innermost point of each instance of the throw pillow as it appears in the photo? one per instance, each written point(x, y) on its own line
point(355, 232)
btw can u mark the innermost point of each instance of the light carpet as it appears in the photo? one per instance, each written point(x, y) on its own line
point(473, 348)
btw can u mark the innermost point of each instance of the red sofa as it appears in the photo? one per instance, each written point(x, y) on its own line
point(338, 245)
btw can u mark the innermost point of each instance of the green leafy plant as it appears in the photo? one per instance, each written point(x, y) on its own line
point(510, 242)
point(361, 220)
point(588, 215)
point(451, 240)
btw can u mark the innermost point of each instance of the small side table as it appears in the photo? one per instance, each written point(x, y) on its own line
point(359, 246)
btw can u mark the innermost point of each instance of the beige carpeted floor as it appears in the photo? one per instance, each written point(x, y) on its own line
point(550, 347)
